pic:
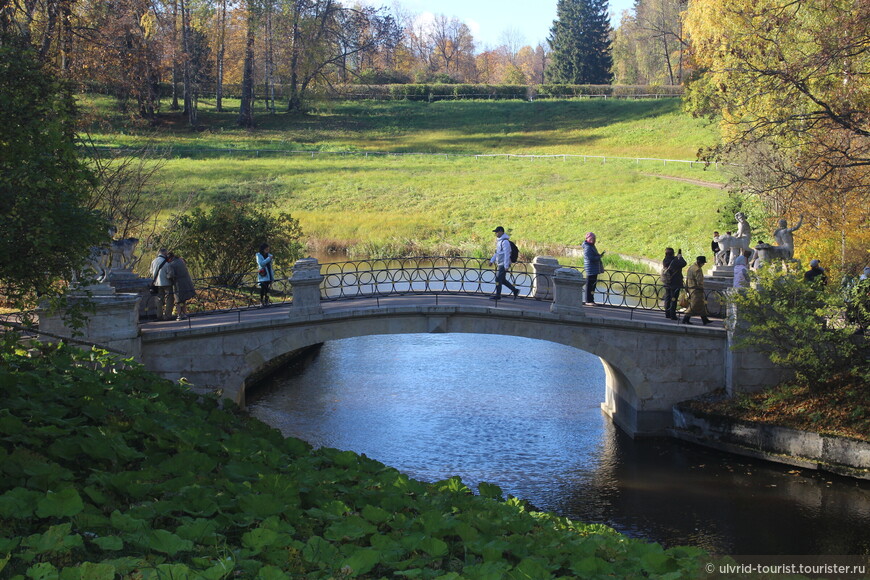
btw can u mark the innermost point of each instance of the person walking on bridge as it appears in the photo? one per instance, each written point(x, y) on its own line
point(695, 286)
point(672, 280)
point(592, 266)
point(502, 258)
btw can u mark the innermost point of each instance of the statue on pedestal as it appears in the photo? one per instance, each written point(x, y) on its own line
point(741, 239)
point(784, 248)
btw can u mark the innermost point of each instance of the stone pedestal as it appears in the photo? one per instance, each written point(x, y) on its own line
point(544, 270)
point(114, 323)
point(305, 281)
point(748, 370)
point(568, 292)
point(125, 281)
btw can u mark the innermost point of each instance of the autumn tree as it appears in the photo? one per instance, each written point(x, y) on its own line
point(789, 82)
point(650, 44)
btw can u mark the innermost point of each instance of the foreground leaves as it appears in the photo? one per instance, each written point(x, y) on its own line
point(110, 472)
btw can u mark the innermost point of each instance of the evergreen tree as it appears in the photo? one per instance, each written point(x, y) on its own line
point(580, 43)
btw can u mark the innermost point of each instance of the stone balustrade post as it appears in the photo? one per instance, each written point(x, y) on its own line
point(305, 280)
point(568, 286)
point(544, 271)
point(113, 321)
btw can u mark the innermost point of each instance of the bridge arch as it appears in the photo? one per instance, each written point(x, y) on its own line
point(648, 366)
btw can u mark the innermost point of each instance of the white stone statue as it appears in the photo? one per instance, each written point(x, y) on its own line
point(785, 240)
point(741, 239)
point(123, 253)
point(724, 254)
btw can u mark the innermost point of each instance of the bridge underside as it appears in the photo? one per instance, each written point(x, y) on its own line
point(649, 366)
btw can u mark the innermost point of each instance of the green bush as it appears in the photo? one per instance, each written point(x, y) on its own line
point(107, 471)
point(801, 326)
point(220, 242)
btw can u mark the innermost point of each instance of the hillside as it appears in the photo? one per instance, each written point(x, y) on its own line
point(442, 198)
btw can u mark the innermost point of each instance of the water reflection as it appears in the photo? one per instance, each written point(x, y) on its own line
point(525, 415)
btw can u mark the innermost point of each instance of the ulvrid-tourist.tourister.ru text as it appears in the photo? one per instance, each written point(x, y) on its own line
point(787, 569)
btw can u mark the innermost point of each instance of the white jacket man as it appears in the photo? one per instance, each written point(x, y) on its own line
point(502, 258)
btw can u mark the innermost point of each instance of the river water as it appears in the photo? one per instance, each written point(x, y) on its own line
point(525, 415)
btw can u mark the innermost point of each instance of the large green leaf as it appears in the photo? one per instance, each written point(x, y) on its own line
point(272, 573)
point(319, 551)
point(361, 561)
point(65, 503)
point(168, 543)
point(350, 528)
point(43, 571)
point(55, 539)
point(109, 543)
point(19, 503)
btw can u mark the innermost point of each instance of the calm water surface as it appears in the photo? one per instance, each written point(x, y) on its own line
point(525, 415)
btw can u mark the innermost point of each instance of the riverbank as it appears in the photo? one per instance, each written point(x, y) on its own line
point(827, 428)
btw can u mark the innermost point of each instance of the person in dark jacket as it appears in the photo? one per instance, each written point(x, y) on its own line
point(816, 274)
point(182, 284)
point(592, 266)
point(672, 280)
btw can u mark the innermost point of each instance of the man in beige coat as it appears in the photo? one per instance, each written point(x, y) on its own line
point(695, 287)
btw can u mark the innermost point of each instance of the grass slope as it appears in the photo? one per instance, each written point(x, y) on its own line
point(592, 127)
point(435, 204)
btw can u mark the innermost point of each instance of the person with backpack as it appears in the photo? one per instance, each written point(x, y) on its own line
point(592, 266)
point(506, 253)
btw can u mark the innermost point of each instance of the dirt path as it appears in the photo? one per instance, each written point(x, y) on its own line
point(698, 182)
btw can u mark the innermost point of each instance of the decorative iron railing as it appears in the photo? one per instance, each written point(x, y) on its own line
point(423, 275)
point(463, 275)
point(238, 292)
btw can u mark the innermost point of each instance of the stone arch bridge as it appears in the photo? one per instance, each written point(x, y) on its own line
point(650, 362)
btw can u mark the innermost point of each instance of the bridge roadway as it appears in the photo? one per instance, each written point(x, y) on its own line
point(650, 362)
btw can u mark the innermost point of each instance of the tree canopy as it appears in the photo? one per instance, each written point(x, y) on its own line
point(789, 82)
point(580, 42)
point(46, 230)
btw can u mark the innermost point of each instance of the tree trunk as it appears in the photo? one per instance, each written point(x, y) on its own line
point(246, 110)
point(174, 106)
point(270, 64)
point(294, 102)
point(222, 29)
point(189, 103)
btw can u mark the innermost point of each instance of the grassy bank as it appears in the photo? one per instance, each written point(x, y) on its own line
point(439, 204)
point(442, 200)
point(112, 472)
point(592, 127)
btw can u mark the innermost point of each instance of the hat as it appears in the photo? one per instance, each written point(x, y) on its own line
point(814, 263)
point(701, 259)
point(498, 229)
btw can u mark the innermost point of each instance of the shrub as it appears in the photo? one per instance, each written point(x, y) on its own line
point(220, 243)
point(801, 326)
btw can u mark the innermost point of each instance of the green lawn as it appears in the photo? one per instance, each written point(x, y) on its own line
point(436, 205)
point(348, 198)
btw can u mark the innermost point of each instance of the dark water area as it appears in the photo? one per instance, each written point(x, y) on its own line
point(525, 415)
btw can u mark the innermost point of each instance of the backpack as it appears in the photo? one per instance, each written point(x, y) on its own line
point(515, 251)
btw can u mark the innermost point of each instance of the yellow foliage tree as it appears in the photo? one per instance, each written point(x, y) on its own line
point(788, 80)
